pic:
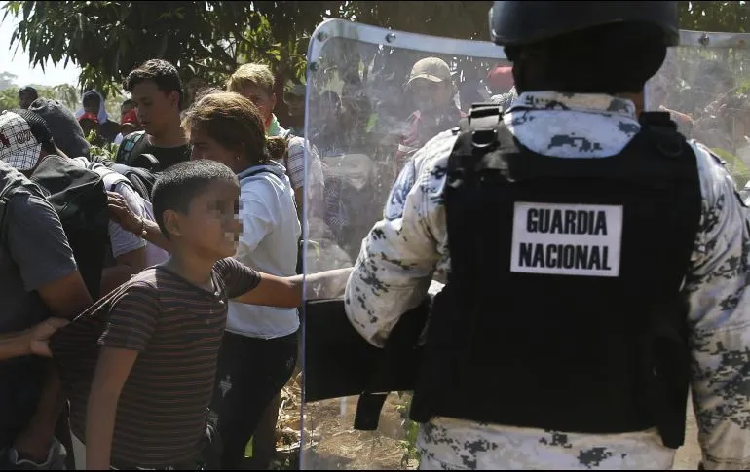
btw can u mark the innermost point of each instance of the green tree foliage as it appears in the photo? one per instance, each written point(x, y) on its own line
point(210, 39)
point(9, 96)
point(65, 93)
point(715, 16)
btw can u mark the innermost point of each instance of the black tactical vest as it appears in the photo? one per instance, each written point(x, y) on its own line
point(563, 310)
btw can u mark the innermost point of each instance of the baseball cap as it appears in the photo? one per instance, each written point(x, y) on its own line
point(63, 125)
point(501, 77)
point(433, 69)
point(22, 133)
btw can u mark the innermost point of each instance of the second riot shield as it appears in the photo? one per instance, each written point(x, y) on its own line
point(374, 98)
point(704, 84)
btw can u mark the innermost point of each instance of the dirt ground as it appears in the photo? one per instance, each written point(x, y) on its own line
point(336, 445)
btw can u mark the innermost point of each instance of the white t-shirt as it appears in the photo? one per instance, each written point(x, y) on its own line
point(268, 243)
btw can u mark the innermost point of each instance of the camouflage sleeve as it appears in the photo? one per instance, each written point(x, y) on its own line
point(720, 320)
point(398, 257)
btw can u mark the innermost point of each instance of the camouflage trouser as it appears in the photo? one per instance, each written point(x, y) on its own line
point(9, 459)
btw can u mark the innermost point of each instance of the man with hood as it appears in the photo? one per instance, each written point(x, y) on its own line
point(65, 129)
point(93, 105)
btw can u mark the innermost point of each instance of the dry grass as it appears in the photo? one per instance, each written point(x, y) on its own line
point(336, 445)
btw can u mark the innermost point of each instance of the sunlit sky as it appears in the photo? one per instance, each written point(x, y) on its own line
point(20, 66)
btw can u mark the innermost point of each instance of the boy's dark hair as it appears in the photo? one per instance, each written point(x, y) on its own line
point(129, 101)
point(161, 72)
point(181, 183)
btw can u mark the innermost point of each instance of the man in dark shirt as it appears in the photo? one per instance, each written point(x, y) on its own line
point(156, 90)
point(26, 95)
point(39, 278)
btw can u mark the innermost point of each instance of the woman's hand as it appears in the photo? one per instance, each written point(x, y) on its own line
point(120, 213)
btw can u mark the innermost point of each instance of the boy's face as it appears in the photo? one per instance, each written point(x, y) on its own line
point(211, 227)
point(155, 109)
point(266, 102)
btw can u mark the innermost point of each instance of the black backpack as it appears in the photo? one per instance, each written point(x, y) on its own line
point(131, 145)
point(141, 180)
point(77, 195)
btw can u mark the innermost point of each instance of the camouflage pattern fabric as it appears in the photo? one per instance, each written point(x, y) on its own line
point(505, 99)
point(408, 248)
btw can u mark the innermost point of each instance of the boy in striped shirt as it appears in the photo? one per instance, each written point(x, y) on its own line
point(140, 399)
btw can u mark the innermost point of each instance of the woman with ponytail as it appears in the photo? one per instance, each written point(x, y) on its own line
point(259, 350)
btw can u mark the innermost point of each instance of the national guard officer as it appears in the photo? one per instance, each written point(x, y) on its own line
point(589, 257)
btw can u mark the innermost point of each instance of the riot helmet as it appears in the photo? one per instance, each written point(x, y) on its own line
point(584, 47)
point(520, 23)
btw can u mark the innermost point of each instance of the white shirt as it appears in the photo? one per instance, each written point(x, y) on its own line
point(268, 243)
point(408, 248)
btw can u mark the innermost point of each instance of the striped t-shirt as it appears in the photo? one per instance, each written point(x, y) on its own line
point(177, 329)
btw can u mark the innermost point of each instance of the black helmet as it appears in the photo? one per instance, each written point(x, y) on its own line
point(520, 23)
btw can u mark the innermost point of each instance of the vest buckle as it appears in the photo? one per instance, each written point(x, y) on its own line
point(483, 137)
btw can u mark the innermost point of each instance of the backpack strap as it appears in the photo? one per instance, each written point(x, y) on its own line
point(478, 134)
point(128, 146)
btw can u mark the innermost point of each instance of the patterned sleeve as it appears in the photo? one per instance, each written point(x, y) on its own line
point(238, 278)
point(720, 320)
point(132, 319)
point(400, 254)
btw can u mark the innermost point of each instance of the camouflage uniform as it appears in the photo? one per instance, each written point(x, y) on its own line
point(405, 250)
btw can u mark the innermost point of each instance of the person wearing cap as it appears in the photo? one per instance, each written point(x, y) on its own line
point(544, 222)
point(432, 91)
point(40, 279)
point(26, 95)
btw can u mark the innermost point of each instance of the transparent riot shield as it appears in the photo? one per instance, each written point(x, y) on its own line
point(366, 115)
point(704, 84)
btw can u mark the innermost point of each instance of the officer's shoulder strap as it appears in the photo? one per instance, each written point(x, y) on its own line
point(479, 133)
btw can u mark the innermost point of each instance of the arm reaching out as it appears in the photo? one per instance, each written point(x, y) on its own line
point(31, 341)
point(286, 292)
point(120, 213)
